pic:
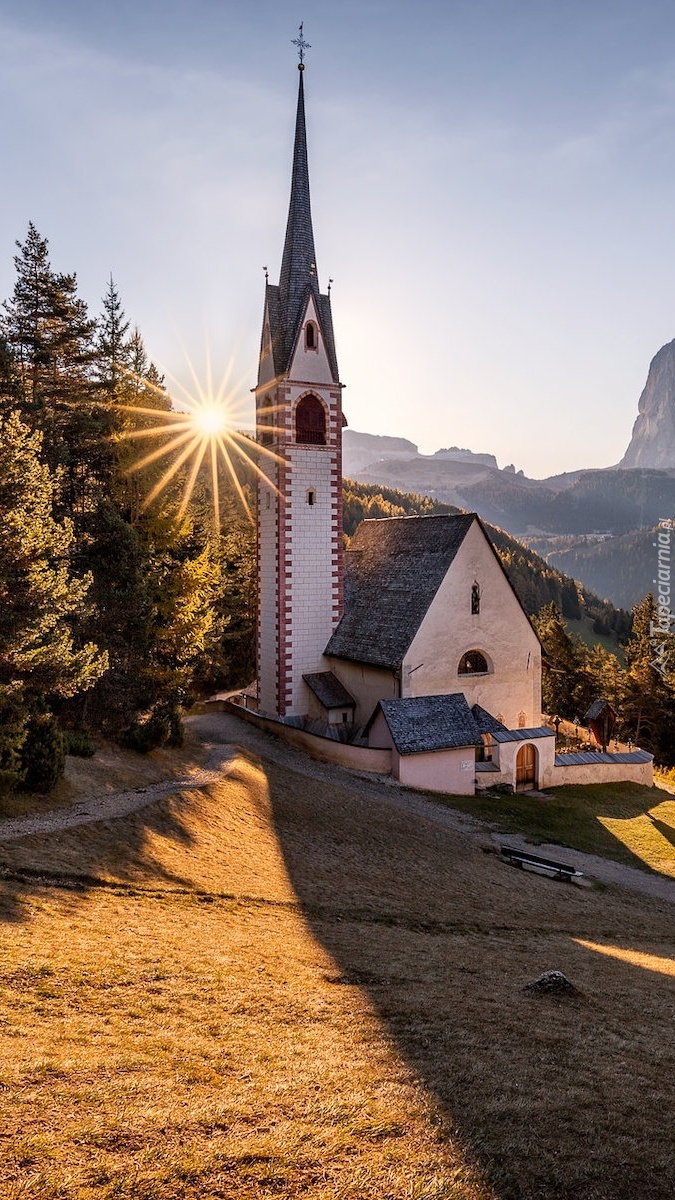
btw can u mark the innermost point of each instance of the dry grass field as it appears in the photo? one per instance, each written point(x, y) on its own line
point(276, 987)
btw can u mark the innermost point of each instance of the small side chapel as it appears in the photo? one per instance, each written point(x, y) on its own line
point(413, 640)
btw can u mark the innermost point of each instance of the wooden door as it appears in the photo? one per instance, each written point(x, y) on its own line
point(526, 767)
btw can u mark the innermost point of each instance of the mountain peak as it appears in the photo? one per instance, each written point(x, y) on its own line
point(653, 441)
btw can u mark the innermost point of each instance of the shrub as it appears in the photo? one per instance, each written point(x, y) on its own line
point(79, 743)
point(147, 735)
point(43, 754)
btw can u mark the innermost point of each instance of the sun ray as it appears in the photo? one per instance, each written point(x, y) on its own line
point(192, 478)
point(161, 413)
point(205, 427)
point(170, 472)
point(132, 434)
point(235, 479)
point(160, 452)
point(247, 442)
point(214, 485)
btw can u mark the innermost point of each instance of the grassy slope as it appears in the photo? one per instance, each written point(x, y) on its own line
point(281, 989)
point(584, 628)
point(626, 822)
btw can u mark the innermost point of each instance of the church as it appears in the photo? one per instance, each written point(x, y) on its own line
point(411, 643)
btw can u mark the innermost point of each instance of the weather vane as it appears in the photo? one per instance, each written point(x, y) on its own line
point(302, 46)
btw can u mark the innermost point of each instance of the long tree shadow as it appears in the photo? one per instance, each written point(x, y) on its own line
point(565, 1099)
point(591, 823)
point(118, 853)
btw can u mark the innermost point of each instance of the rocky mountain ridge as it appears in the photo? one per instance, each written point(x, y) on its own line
point(653, 440)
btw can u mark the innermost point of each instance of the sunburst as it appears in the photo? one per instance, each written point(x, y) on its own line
point(207, 430)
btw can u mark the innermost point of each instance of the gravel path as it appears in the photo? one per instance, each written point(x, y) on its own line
point(222, 732)
point(117, 804)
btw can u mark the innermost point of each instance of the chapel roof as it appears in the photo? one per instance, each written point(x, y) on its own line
point(393, 569)
point(329, 690)
point(485, 720)
point(420, 724)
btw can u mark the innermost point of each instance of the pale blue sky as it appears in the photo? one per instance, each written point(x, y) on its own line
point(493, 190)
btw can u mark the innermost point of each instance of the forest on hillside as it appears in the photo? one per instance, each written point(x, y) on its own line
point(124, 595)
point(114, 612)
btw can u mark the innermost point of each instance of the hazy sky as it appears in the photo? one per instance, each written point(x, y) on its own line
point(493, 187)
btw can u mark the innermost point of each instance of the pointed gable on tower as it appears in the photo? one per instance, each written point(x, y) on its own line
point(297, 297)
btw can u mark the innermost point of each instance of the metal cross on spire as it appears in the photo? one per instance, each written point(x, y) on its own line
point(302, 46)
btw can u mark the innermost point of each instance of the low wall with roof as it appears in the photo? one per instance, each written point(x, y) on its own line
point(356, 758)
point(590, 767)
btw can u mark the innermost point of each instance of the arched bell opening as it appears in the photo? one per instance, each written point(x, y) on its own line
point(310, 422)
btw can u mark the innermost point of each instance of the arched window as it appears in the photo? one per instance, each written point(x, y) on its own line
point(475, 598)
point(472, 663)
point(311, 338)
point(310, 422)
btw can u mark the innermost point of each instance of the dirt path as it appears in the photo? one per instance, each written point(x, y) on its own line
point(109, 805)
point(223, 732)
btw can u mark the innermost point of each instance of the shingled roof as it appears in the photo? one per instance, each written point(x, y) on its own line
point(485, 720)
point(329, 690)
point(298, 278)
point(393, 569)
point(420, 724)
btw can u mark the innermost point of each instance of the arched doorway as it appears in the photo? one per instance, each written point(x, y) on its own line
point(526, 768)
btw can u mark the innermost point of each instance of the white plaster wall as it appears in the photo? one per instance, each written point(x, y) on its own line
point(501, 631)
point(379, 736)
point(601, 773)
point(309, 563)
point(357, 758)
point(266, 364)
point(267, 596)
point(366, 684)
point(449, 771)
point(311, 365)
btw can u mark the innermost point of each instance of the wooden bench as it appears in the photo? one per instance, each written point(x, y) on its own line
point(523, 858)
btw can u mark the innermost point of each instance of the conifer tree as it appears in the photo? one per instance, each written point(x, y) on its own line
point(649, 705)
point(39, 597)
point(562, 682)
point(48, 330)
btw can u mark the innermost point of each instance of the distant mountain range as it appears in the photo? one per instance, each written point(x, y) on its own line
point(596, 525)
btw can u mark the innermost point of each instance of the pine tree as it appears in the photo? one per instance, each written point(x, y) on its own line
point(563, 680)
point(649, 706)
point(114, 348)
point(48, 330)
point(39, 597)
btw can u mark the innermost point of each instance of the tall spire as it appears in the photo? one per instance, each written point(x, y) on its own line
point(298, 264)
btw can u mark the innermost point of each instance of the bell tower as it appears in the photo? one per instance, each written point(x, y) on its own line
point(299, 421)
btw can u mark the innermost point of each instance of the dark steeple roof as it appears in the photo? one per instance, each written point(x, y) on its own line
point(298, 265)
point(287, 302)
